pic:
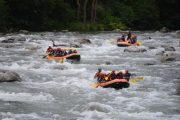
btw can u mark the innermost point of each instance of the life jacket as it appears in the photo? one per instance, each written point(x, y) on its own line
point(112, 76)
point(119, 76)
point(127, 76)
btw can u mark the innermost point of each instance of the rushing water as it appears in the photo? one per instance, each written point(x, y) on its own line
point(53, 91)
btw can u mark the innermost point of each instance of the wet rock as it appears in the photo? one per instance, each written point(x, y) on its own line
point(177, 34)
point(23, 31)
point(148, 64)
point(75, 45)
point(152, 47)
point(134, 49)
point(14, 39)
point(169, 48)
point(85, 41)
point(10, 40)
point(107, 63)
point(164, 30)
point(168, 56)
point(9, 76)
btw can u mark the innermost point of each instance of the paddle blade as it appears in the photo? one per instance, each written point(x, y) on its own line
point(140, 78)
point(133, 80)
point(94, 85)
point(61, 60)
point(139, 42)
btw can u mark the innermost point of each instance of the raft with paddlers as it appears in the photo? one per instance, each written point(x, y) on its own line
point(114, 80)
point(73, 56)
point(116, 84)
point(62, 53)
point(127, 43)
point(131, 40)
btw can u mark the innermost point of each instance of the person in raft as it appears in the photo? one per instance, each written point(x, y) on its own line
point(132, 38)
point(127, 75)
point(98, 75)
point(102, 77)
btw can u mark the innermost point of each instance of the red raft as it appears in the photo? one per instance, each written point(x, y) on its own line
point(116, 84)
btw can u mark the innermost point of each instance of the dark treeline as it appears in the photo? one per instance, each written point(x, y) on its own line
point(48, 15)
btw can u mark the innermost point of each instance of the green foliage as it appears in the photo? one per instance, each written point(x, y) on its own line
point(86, 26)
point(41, 15)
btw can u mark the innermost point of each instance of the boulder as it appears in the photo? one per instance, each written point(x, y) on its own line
point(177, 33)
point(168, 48)
point(107, 63)
point(85, 41)
point(9, 76)
point(168, 56)
point(152, 47)
point(14, 39)
point(75, 45)
point(9, 40)
point(134, 49)
point(23, 31)
point(20, 39)
point(164, 30)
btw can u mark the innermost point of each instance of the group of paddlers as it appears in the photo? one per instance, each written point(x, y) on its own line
point(59, 52)
point(131, 38)
point(103, 77)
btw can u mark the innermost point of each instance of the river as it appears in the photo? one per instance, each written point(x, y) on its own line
point(53, 91)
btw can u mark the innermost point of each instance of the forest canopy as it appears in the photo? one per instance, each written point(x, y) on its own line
point(88, 15)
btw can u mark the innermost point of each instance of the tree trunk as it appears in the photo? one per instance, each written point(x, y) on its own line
point(92, 10)
point(84, 16)
point(78, 9)
point(95, 9)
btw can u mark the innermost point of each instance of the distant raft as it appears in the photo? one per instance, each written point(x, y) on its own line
point(126, 44)
point(116, 84)
point(73, 56)
point(62, 53)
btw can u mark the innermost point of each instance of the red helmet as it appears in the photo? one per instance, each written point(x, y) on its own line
point(126, 70)
point(113, 70)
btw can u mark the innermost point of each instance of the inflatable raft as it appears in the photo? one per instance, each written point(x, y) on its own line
point(126, 44)
point(116, 84)
point(73, 56)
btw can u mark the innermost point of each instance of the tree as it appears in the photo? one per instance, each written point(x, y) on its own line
point(85, 15)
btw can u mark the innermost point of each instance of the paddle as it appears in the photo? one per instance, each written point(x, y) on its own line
point(61, 60)
point(94, 85)
point(139, 42)
point(134, 79)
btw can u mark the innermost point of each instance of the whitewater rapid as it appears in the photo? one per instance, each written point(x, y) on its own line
point(53, 91)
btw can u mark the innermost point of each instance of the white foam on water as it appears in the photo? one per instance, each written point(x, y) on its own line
point(28, 116)
point(26, 97)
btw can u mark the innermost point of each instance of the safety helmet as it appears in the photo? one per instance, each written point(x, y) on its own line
point(120, 71)
point(126, 70)
point(113, 70)
point(99, 69)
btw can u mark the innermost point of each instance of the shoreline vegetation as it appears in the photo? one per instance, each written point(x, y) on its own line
point(88, 15)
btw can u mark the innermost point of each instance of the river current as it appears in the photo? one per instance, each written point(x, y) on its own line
point(53, 91)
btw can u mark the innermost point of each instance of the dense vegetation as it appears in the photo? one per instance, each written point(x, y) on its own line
point(47, 15)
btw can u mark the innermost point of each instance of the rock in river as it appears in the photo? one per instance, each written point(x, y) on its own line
point(85, 41)
point(9, 76)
